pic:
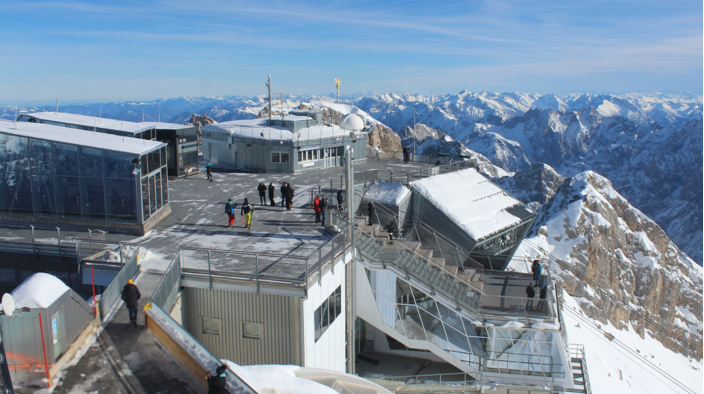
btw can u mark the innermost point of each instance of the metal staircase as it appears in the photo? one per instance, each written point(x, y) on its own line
point(579, 370)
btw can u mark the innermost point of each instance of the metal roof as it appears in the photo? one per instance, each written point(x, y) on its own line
point(79, 137)
point(91, 121)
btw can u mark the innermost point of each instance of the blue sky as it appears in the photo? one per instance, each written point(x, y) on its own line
point(146, 50)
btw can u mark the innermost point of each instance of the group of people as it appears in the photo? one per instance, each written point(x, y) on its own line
point(539, 279)
point(246, 211)
point(286, 194)
point(320, 206)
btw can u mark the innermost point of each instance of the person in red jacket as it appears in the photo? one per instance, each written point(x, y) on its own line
point(316, 208)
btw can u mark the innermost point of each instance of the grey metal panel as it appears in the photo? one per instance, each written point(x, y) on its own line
point(279, 316)
point(427, 213)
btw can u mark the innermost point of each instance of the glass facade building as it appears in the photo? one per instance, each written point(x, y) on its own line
point(49, 172)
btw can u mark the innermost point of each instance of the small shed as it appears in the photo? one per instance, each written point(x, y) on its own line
point(393, 200)
point(62, 314)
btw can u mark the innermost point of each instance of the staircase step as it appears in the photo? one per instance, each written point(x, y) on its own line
point(437, 261)
point(451, 269)
point(425, 253)
point(408, 244)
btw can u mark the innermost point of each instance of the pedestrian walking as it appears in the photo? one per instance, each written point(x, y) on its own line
point(217, 383)
point(323, 207)
point(370, 209)
point(530, 294)
point(340, 197)
point(316, 208)
point(272, 189)
point(262, 193)
point(207, 171)
point(284, 193)
point(247, 212)
point(406, 154)
point(289, 198)
point(230, 211)
point(131, 296)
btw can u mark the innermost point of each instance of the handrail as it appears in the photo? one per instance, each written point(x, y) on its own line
point(113, 291)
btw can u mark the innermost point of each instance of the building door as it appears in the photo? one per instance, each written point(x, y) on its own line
point(329, 161)
point(239, 160)
point(213, 153)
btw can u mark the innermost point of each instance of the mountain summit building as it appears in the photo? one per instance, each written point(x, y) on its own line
point(293, 144)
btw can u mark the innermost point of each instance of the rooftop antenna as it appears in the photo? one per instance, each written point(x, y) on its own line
point(414, 132)
point(160, 114)
point(282, 107)
point(268, 85)
point(337, 86)
point(57, 106)
point(16, 105)
point(142, 114)
point(100, 120)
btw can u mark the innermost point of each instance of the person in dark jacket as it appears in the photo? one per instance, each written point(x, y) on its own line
point(340, 198)
point(131, 296)
point(217, 383)
point(323, 205)
point(247, 210)
point(284, 193)
point(289, 194)
point(391, 228)
point(370, 208)
point(530, 294)
point(542, 304)
point(207, 171)
point(272, 189)
point(537, 269)
point(262, 193)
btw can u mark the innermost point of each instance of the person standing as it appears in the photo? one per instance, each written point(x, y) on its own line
point(284, 193)
point(370, 209)
point(207, 171)
point(217, 383)
point(391, 228)
point(323, 205)
point(537, 269)
point(230, 211)
point(247, 212)
point(340, 197)
point(530, 294)
point(289, 198)
point(262, 193)
point(316, 208)
point(542, 304)
point(131, 296)
point(272, 189)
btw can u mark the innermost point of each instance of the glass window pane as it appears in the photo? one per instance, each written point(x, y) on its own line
point(91, 162)
point(316, 324)
point(118, 165)
point(143, 165)
point(164, 186)
point(42, 158)
point(315, 154)
point(121, 199)
point(285, 158)
point(145, 198)
point(274, 157)
point(300, 156)
point(153, 162)
point(157, 177)
point(93, 197)
point(152, 193)
point(66, 159)
point(43, 194)
point(163, 156)
point(68, 196)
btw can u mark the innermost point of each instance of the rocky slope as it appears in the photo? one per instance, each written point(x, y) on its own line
point(618, 263)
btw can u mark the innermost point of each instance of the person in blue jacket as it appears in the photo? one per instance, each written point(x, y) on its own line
point(207, 171)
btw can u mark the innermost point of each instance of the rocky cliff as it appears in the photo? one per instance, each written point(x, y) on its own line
point(620, 264)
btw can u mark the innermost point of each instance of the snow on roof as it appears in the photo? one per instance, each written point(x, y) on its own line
point(39, 291)
point(258, 128)
point(79, 137)
point(91, 121)
point(166, 126)
point(344, 109)
point(277, 379)
point(470, 200)
point(384, 192)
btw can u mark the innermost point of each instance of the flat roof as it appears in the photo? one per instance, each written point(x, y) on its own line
point(91, 121)
point(166, 126)
point(258, 129)
point(90, 139)
point(471, 201)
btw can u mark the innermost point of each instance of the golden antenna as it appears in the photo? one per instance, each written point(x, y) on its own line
point(337, 86)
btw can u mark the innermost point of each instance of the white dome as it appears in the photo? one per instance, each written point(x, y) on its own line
point(352, 122)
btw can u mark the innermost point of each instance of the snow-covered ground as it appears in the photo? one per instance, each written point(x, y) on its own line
point(629, 363)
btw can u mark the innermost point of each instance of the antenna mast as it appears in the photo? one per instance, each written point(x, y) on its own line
point(268, 85)
point(57, 106)
point(414, 132)
point(337, 86)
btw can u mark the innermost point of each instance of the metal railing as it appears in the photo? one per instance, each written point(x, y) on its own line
point(165, 292)
point(577, 351)
point(412, 157)
point(114, 291)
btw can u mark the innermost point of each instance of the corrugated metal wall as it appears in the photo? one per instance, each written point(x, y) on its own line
point(280, 317)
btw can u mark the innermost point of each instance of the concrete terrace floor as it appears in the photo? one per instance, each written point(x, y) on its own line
point(127, 359)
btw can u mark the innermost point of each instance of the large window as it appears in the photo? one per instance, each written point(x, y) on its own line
point(280, 157)
point(328, 311)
